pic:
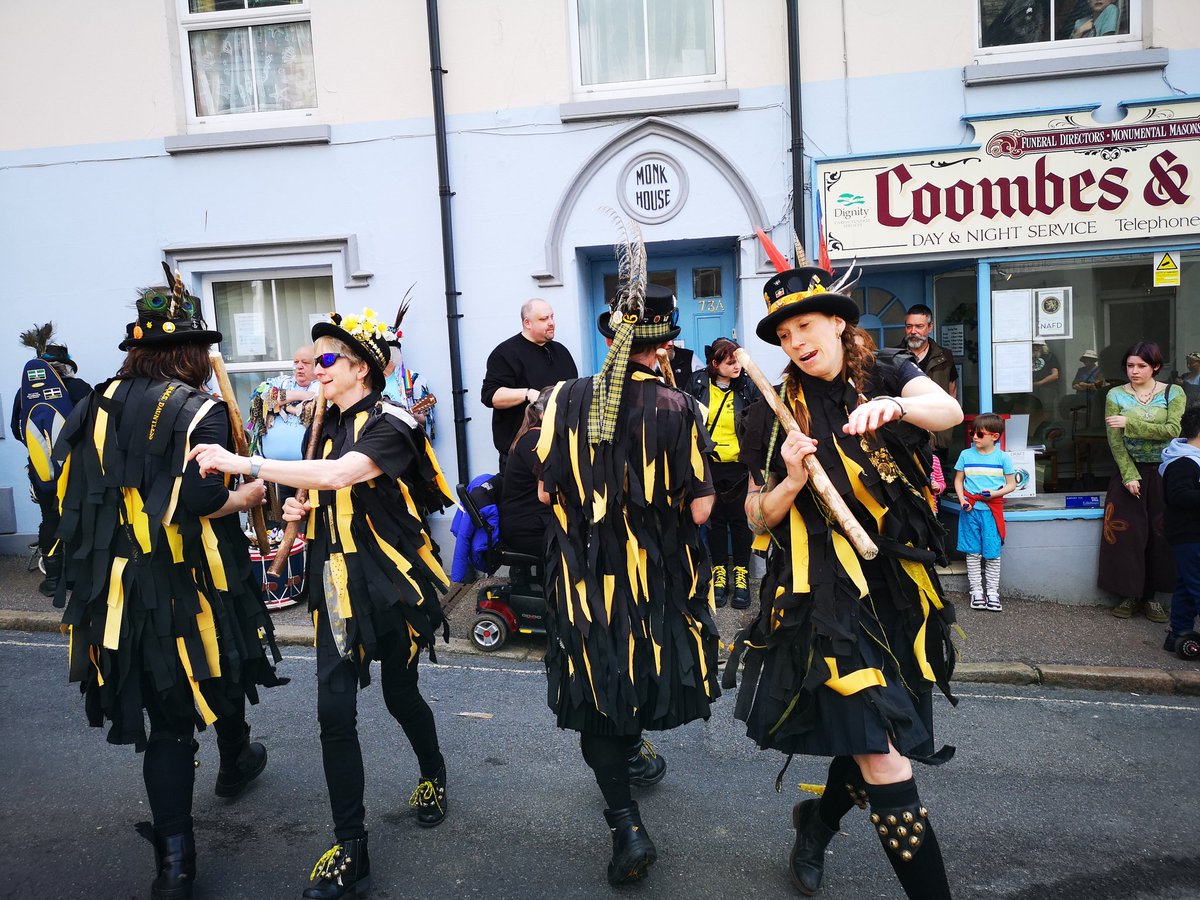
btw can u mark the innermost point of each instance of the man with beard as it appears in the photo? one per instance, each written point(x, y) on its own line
point(519, 368)
point(936, 362)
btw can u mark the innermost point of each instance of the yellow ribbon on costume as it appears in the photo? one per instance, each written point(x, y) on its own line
point(852, 682)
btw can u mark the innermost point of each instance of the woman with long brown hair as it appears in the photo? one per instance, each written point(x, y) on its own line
point(846, 650)
point(1140, 418)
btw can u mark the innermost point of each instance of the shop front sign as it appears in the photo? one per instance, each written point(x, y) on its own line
point(653, 187)
point(1051, 178)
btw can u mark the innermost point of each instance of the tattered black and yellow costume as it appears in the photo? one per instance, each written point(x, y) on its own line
point(368, 541)
point(164, 611)
point(632, 641)
point(845, 651)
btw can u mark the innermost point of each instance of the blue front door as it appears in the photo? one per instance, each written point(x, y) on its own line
point(704, 287)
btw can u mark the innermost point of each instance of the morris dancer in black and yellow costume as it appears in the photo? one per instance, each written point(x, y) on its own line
point(632, 643)
point(374, 579)
point(845, 653)
point(163, 610)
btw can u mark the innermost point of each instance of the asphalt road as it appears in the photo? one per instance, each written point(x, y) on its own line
point(1053, 794)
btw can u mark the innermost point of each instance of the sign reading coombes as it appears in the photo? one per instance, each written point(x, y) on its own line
point(1054, 177)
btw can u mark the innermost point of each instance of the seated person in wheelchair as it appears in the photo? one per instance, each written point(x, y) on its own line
point(524, 520)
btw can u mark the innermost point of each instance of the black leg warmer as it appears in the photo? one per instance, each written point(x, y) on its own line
point(904, 829)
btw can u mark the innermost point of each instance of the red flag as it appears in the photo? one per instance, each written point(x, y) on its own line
point(822, 247)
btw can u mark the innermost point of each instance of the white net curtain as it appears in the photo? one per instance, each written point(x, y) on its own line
point(639, 40)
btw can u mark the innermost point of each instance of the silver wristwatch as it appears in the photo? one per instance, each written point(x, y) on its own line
point(255, 464)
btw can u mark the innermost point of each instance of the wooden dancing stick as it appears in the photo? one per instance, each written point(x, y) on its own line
point(664, 365)
point(257, 519)
point(817, 479)
point(279, 563)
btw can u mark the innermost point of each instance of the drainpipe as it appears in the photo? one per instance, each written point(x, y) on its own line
point(793, 62)
point(452, 294)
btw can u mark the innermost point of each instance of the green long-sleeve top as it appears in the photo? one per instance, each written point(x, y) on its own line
point(1149, 427)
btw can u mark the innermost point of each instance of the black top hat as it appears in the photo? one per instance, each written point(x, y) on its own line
point(658, 322)
point(167, 314)
point(794, 292)
point(366, 336)
point(58, 353)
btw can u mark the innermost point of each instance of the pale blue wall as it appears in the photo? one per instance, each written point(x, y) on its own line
point(82, 227)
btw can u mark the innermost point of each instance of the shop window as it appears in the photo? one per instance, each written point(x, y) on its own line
point(247, 62)
point(1057, 25)
point(263, 320)
point(635, 45)
point(1071, 309)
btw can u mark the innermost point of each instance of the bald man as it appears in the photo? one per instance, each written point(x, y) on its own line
point(519, 368)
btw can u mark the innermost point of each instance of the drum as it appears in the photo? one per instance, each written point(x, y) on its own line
point(284, 591)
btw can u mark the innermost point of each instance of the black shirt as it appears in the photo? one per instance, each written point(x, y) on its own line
point(520, 363)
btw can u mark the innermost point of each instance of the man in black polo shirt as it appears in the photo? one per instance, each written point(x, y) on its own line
point(519, 368)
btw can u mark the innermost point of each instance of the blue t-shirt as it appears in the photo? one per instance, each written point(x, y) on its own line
point(984, 471)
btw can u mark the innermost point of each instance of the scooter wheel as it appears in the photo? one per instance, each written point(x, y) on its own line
point(1188, 645)
point(489, 632)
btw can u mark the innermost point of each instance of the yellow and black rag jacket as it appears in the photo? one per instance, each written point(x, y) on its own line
point(632, 640)
point(371, 537)
point(158, 597)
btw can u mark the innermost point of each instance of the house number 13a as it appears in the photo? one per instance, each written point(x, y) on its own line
point(714, 304)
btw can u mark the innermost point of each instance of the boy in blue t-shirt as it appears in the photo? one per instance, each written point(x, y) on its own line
point(983, 475)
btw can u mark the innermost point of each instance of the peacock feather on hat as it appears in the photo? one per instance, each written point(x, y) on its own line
point(38, 337)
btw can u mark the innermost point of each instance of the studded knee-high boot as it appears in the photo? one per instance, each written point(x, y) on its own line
point(906, 833)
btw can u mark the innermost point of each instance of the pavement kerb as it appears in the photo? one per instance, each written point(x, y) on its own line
point(1126, 679)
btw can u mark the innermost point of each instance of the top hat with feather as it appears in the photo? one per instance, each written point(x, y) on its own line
point(38, 339)
point(167, 314)
point(803, 288)
point(365, 335)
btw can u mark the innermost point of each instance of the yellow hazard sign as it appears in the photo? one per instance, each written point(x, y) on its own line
point(1166, 268)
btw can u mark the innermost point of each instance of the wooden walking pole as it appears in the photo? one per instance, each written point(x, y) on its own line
point(310, 452)
point(664, 364)
point(257, 519)
point(817, 479)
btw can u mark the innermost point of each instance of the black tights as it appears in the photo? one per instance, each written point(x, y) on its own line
point(608, 757)
point(836, 801)
point(168, 766)
point(337, 713)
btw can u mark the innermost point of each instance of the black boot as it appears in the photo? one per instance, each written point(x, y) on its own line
point(54, 566)
point(241, 762)
point(175, 859)
point(633, 851)
point(806, 862)
point(646, 767)
point(903, 826)
point(430, 799)
point(343, 871)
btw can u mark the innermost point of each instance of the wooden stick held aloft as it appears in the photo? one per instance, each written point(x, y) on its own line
point(818, 480)
point(664, 365)
point(240, 444)
point(279, 563)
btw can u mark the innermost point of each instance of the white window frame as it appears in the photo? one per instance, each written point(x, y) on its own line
point(189, 22)
point(209, 304)
point(651, 86)
point(1065, 47)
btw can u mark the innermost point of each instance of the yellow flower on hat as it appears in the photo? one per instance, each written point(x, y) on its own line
point(351, 324)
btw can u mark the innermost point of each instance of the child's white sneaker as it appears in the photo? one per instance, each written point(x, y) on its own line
point(993, 603)
point(977, 602)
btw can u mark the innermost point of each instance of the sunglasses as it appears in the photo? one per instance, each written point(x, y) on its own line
point(978, 433)
point(326, 360)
